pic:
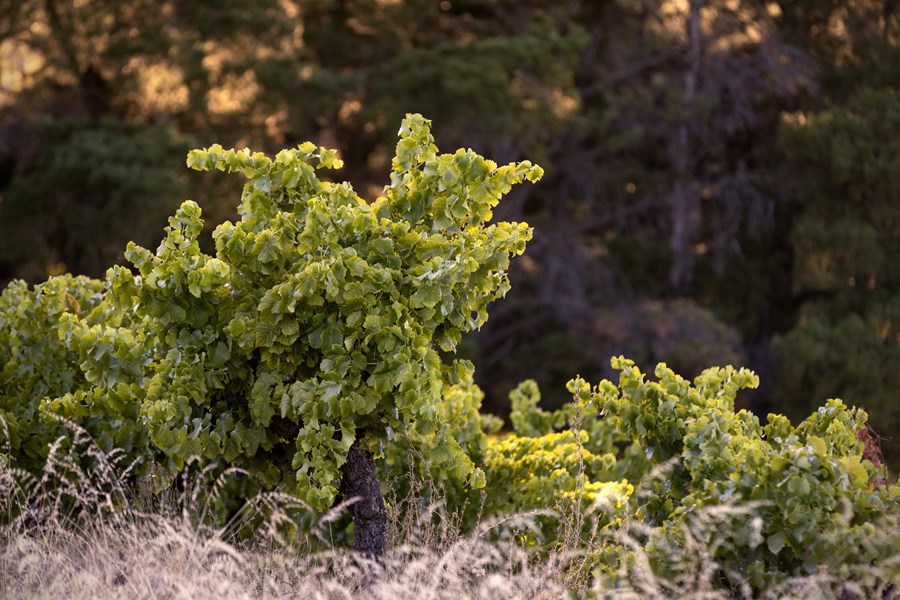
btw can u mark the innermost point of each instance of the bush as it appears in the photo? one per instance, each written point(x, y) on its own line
point(658, 453)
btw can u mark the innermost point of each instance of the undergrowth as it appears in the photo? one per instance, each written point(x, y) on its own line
point(93, 532)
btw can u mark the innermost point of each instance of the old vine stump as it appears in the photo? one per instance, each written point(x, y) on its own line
point(359, 482)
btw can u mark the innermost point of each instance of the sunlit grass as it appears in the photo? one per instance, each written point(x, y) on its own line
point(78, 532)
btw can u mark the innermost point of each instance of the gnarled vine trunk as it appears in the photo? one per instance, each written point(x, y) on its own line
point(359, 481)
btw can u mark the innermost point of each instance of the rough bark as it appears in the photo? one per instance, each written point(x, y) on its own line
point(359, 482)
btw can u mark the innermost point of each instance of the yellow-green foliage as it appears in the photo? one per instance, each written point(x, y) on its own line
point(555, 471)
point(806, 493)
point(528, 473)
point(460, 409)
point(317, 323)
point(45, 372)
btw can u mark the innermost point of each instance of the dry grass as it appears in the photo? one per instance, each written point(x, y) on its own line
point(84, 535)
point(134, 555)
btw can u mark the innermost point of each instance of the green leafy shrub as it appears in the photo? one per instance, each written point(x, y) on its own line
point(807, 495)
point(316, 325)
point(43, 370)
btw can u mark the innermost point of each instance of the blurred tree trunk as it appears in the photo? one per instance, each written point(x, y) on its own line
point(190, 55)
point(63, 34)
point(683, 201)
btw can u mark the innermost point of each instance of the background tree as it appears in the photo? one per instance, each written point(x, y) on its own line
point(845, 281)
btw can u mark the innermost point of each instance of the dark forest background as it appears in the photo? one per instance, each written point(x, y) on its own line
point(723, 176)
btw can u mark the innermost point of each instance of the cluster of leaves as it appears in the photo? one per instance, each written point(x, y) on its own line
point(534, 470)
point(316, 325)
point(814, 498)
point(48, 377)
point(553, 471)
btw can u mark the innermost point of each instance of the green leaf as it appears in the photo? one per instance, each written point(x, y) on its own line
point(857, 471)
point(264, 184)
point(262, 406)
point(219, 355)
point(330, 389)
point(775, 542)
point(426, 296)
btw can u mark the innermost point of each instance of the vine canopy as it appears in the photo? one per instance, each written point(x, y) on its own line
point(318, 322)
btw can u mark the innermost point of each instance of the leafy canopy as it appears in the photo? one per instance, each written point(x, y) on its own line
point(316, 324)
